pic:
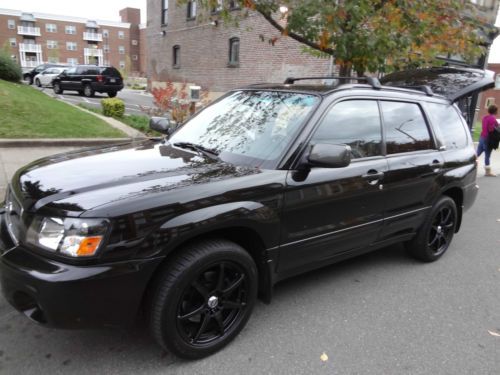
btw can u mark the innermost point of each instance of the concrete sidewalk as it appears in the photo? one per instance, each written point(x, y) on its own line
point(13, 158)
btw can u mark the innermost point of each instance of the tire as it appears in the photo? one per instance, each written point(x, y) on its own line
point(30, 80)
point(80, 92)
point(203, 298)
point(434, 236)
point(38, 83)
point(112, 94)
point(88, 91)
point(57, 89)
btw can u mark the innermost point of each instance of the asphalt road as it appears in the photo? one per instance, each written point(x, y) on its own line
point(382, 313)
point(134, 99)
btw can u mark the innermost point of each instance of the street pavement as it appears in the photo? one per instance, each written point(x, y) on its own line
point(381, 313)
point(134, 99)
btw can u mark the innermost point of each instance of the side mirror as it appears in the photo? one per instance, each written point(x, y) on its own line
point(161, 125)
point(329, 156)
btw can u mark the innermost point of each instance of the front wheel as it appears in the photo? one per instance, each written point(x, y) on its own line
point(57, 89)
point(434, 236)
point(38, 83)
point(203, 298)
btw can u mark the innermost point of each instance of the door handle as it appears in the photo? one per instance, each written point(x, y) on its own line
point(436, 164)
point(373, 176)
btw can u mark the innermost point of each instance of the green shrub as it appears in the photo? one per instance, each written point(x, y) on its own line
point(9, 69)
point(113, 107)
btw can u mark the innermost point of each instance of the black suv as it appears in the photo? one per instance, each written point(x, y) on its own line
point(267, 182)
point(89, 79)
point(30, 75)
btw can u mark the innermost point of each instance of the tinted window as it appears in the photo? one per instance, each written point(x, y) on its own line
point(449, 123)
point(355, 123)
point(71, 71)
point(110, 72)
point(405, 127)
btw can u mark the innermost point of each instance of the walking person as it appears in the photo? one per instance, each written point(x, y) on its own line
point(489, 124)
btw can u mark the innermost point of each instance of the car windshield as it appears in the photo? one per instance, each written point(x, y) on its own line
point(248, 127)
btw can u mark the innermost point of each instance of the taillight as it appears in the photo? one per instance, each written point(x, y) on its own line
point(100, 78)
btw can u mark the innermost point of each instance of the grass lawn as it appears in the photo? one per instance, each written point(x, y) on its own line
point(28, 113)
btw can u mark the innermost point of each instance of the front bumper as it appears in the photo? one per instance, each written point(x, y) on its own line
point(69, 296)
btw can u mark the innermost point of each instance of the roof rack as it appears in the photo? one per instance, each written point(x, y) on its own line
point(424, 88)
point(372, 81)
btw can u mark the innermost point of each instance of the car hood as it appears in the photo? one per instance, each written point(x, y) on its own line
point(75, 182)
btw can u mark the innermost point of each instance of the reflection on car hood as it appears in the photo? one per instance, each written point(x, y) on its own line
point(79, 181)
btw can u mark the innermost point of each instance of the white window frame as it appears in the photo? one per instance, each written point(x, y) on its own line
point(51, 27)
point(52, 44)
point(134, 42)
point(121, 50)
point(13, 42)
point(11, 24)
point(105, 48)
point(122, 64)
point(70, 29)
point(105, 33)
point(71, 46)
point(121, 34)
point(72, 60)
point(135, 57)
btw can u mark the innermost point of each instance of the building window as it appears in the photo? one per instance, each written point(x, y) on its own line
point(122, 64)
point(72, 61)
point(51, 27)
point(121, 50)
point(106, 48)
point(53, 60)
point(70, 29)
point(71, 46)
point(13, 42)
point(121, 35)
point(52, 44)
point(488, 102)
point(176, 56)
point(234, 51)
point(164, 12)
point(105, 33)
point(191, 10)
point(135, 42)
point(11, 24)
point(135, 57)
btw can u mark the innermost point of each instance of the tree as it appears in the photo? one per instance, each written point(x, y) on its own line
point(371, 35)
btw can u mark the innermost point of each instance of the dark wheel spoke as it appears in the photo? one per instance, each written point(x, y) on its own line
point(220, 322)
point(202, 328)
point(234, 285)
point(200, 288)
point(220, 281)
point(193, 313)
point(447, 217)
point(433, 241)
point(233, 305)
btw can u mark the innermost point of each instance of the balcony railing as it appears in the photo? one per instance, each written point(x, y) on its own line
point(94, 37)
point(24, 47)
point(28, 30)
point(92, 52)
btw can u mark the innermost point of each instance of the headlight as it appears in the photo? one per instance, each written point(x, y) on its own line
point(73, 237)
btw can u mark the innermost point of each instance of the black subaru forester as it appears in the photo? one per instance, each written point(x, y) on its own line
point(267, 182)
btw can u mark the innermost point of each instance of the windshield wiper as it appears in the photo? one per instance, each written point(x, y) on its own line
point(212, 154)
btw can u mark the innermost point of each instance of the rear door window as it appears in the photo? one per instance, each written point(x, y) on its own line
point(405, 127)
point(446, 119)
point(355, 123)
point(111, 72)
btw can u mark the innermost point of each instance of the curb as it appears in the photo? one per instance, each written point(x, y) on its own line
point(62, 142)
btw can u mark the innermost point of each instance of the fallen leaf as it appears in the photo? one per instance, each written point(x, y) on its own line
point(324, 357)
point(492, 333)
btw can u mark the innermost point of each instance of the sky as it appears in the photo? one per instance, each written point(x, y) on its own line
point(92, 9)
point(108, 10)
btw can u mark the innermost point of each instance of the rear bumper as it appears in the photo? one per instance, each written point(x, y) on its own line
point(106, 87)
point(67, 296)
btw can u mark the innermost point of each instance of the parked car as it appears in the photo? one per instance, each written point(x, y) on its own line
point(89, 79)
point(30, 75)
point(268, 182)
point(46, 77)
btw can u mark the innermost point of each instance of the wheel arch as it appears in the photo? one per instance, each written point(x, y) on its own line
point(457, 195)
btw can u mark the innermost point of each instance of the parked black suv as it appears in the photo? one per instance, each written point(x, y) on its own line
point(89, 79)
point(267, 182)
point(30, 75)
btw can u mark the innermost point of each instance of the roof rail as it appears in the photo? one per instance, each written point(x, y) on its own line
point(424, 88)
point(372, 81)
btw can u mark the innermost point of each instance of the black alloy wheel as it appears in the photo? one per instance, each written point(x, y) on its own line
point(204, 299)
point(435, 235)
point(57, 89)
point(88, 91)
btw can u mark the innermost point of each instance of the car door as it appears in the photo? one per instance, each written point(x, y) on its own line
point(66, 78)
point(330, 211)
point(46, 76)
point(415, 167)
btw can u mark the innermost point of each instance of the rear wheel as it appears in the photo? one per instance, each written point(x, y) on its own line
point(112, 94)
point(38, 83)
point(203, 298)
point(435, 235)
point(88, 91)
point(57, 89)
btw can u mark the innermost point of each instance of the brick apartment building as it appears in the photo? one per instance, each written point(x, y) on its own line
point(491, 96)
point(185, 47)
point(35, 38)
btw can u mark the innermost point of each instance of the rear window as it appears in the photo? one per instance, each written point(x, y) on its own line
point(111, 72)
point(450, 125)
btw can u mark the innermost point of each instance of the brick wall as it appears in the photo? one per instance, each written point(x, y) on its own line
point(204, 52)
point(491, 96)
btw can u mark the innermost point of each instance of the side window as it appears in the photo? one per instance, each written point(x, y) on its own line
point(81, 70)
point(405, 127)
point(450, 125)
point(355, 123)
point(71, 71)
